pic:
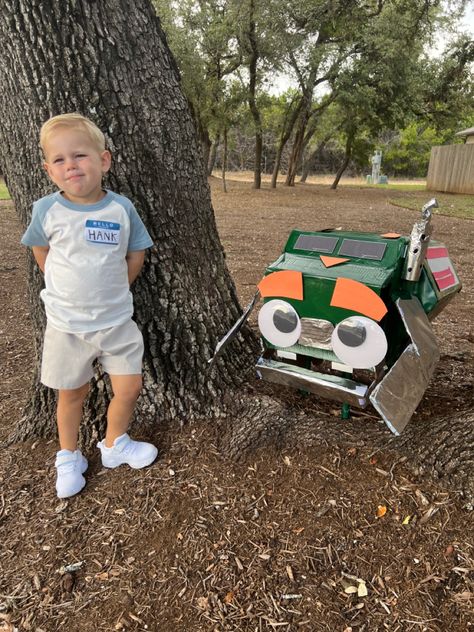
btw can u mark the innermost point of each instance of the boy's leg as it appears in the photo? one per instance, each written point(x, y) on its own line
point(126, 390)
point(69, 415)
point(70, 463)
point(122, 359)
point(117, 448)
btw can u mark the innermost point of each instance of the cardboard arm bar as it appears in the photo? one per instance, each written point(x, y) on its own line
point(234, 330)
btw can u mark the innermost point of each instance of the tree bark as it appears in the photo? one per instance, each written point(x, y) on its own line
point(109, 60)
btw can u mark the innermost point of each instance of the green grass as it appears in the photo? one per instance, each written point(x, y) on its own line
point(4, 195)
point(452, 204)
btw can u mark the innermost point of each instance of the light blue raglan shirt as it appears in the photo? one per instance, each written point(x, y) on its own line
point(86, 274)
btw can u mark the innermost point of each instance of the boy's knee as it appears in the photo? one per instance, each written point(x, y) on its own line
point(127, 389)
point(74, 395)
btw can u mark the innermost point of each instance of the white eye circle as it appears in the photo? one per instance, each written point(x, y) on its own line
point(279, 323)
point(359, 342)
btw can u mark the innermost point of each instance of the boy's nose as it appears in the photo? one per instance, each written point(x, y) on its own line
point(70, 163)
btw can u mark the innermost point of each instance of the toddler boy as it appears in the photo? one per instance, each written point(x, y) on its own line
point(90, 244)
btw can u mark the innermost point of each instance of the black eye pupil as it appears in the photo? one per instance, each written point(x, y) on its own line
point(286, 322)
point(351, 334)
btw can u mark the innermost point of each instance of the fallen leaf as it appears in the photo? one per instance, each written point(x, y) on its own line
point(287, 461)
point(381, 511)
point(406, 520)
point(362, 590)
point(229, 597)
point(350, 589)
point(289, 572)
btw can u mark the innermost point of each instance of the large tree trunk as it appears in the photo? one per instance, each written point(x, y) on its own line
point(109, 60)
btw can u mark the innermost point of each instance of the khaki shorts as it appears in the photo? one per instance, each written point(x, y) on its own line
point(67, 358)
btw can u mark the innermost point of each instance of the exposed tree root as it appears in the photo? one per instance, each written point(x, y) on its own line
point(441, 448)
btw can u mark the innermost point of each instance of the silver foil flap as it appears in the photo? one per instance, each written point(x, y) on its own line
point(316, 333)
point(401, 390)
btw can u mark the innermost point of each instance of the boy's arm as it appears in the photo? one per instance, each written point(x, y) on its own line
point(40, 253)
point(134, 259)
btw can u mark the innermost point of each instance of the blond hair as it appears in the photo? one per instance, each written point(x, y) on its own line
point(76, 121)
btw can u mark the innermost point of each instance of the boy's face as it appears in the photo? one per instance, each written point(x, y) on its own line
point(76, 166)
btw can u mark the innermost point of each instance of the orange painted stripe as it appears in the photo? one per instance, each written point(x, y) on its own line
point(357, 297)
point(391, 235)
point(332, 261)
point(285, 283)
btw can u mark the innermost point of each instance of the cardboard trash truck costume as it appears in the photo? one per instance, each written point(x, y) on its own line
point(346, 316)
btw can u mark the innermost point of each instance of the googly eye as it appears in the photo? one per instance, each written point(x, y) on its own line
point(279, 323)
point(359, 342)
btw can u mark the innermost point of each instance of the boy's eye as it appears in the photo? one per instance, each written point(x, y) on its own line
point(57, 160)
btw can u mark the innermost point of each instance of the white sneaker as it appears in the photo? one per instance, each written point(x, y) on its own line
point(70, 466)
point(137, 454)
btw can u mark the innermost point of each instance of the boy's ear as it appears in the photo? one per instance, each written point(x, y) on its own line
point(106, 160)
point(47, 168)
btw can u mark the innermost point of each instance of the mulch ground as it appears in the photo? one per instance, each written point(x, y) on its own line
point(334, 537)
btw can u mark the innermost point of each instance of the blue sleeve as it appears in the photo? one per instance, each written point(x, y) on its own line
point(139, 237)
point(34, 234)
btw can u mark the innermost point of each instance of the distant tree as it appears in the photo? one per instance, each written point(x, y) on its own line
point(203, 38)
point(258, 39)
point(378, 87)
point(445, 88)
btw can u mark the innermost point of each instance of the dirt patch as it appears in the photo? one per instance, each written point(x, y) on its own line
point(289, 539)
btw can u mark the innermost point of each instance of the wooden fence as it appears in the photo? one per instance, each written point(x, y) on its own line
point(451, 169)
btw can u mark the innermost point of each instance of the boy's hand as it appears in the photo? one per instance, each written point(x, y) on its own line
point(134, 259)
point(40, 253)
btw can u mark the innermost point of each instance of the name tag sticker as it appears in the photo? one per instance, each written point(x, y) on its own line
point(99, 232)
